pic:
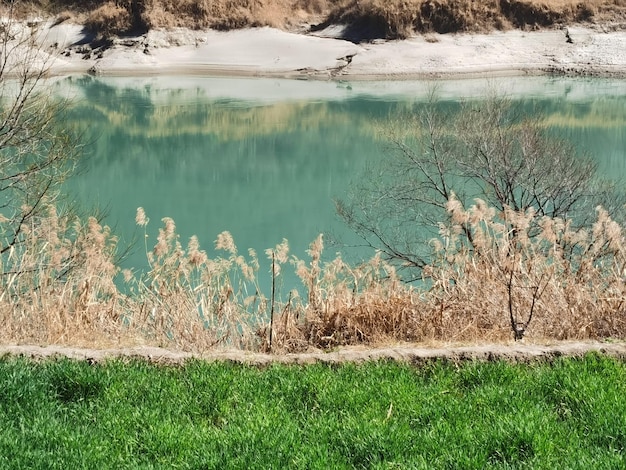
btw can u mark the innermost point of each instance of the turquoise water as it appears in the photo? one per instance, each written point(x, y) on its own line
point(265, 159)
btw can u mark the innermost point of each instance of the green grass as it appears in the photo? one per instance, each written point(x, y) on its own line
point(68, 414)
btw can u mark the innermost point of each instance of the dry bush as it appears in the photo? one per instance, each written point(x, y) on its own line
point(490, 150)
point(121, 17)
point(401, 19)
point(110, 19)
point(453, 16)
point(57, 285)
point(525, 13)
point(365, 19)
point(315, 6)
point(535, 273)
point(520, 270)
point(371, 19)
point(520, 273)
point(28, 8)
point(64, 16)
point(221, 14)
point(345, 304)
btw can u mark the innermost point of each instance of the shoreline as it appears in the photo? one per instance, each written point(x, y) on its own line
point(271, 53)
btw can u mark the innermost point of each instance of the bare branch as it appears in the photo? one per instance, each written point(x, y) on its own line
point(487, 151)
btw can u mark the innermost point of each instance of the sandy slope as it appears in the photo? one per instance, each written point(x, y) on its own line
point(270, 52)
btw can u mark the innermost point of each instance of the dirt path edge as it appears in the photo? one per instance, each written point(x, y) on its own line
point(518, 352)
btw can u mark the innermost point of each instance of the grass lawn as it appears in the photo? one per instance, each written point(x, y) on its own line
point(70, 415)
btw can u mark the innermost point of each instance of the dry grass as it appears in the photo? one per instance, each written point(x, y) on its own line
point(401, 19)
point(59, 288)
point(370, 18)
point(109, 19)
point(572, 282)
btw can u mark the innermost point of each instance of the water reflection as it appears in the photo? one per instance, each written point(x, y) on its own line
point(264, 159)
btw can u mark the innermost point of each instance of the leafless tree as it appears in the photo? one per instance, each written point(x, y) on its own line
point(483, 150)
point(37, 152)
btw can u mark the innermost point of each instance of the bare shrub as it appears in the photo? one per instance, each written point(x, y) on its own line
point(371, 19)
point(59, 288)
point(452, 16)
point(507, 282)
point(64, 16)
point(573, 279)
point(401, 19)
point(478, 291)
point(523, 260)
point(487, 151)
point(37, 153)
point(526, 254)
point(534, 14)
point(315, 6)
point(344, 304)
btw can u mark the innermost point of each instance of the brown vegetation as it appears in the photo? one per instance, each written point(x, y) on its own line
point(573, 280)
point(402, 19)
point(364, 18)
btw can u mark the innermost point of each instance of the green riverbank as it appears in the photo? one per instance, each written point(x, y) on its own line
point(570, 413)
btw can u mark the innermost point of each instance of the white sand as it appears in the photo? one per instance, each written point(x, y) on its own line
point(270, 52)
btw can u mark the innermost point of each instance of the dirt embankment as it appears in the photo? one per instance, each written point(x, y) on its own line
point(518, 352)
point(363, 19)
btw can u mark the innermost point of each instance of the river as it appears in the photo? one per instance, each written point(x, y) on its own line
point(266, 158)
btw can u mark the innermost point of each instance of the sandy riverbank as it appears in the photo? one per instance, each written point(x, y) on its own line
point(270, 52)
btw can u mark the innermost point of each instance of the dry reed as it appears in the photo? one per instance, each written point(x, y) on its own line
point(572, 278)
point(58, 287)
